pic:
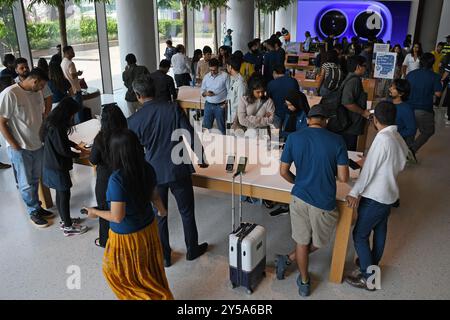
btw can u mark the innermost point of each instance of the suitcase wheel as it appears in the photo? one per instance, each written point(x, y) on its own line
point(249, 291)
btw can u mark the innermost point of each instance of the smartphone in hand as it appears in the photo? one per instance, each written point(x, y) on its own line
point(353, 164)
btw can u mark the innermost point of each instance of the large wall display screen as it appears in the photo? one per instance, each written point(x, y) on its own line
point(387, 20)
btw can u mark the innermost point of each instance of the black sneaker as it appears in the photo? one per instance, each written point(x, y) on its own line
point(45, 213)
point(268, 204)
point(167, 263)
point(282, 210)
point(38, 221)
point(4, 165)
point(74, 230)
point(201, 249)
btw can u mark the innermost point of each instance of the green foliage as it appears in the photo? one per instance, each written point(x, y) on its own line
point(88, 27)
point(8, 39)
point(169, 4)
point(170, 28)
point(269, 6)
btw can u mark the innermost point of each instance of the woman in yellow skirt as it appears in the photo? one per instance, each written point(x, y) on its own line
point(133, 260)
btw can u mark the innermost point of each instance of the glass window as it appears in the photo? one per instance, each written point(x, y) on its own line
point(43, 30)
point(82, 35)
point(113, 42)
point(44, 34)
point(203, 28)
point(170, 24)
point(8, 36)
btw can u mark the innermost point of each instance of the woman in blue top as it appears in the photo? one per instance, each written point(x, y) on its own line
point(133, 260)
point(57, 83)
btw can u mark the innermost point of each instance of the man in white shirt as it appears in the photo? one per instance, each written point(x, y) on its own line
point(181, 67)
point(215, 89)
point(71, 74)
point(376, 190)
point(238, 88)
point(21, 110)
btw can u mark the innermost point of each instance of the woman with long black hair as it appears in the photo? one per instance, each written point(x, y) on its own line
point(133, 260)
point(58, 159)
point(112, 120)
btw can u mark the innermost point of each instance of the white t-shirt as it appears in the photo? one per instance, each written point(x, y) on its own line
point(410, 63)
point(46, 92)
point(68, 68)
point(180, 64)
point(24, 110)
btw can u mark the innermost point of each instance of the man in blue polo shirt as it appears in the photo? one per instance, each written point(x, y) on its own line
point(319, 157)
point(278, 90)
point(425, 84)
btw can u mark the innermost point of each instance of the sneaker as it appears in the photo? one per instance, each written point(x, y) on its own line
point(45, 213)
point(268, 204)
point(75, 221)
point(304, 289)
point(201, 249)
point(411, 157)
point(447, 122)
point(281, 211)
point(4, 165)
point(167, 263)
point(281, 264)
point(38, 221)
point(74, 230)
point(357, 280)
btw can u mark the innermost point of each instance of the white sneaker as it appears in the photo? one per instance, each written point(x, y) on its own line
point(75, 230)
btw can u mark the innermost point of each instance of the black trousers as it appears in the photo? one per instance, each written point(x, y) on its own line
point(63, 205)
point(183, 192)
point(100, 194)
point(183, 79)
point(351, 140)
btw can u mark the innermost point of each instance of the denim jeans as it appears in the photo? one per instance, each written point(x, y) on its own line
point(372, 216)
point(28, 166)
point(214, 111)
point(79, 117)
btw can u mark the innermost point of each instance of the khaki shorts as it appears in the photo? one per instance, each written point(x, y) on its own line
point(309, 222)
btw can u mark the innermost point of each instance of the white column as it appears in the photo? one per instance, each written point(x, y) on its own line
point(444, 27)
point(283, 19)
point(103, 46)
point(21, 30)
point(240, 18)
point(137, 28)
point(190, 46)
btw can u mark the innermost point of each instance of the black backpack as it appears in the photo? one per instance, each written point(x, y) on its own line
point(334, 78)
point(339, 115)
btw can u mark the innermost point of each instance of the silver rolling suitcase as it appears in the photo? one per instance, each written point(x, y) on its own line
point(247, 250)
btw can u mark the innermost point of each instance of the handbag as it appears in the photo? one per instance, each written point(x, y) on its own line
point(83, 84)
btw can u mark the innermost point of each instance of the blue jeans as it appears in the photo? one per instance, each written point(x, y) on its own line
point(79, 117)
point(214, 111)
point(372, 215)
point(28, 167)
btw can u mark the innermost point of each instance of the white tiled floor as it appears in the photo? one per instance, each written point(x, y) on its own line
point(33, 263)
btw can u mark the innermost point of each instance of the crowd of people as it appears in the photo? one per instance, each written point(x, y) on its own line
point(135, 171)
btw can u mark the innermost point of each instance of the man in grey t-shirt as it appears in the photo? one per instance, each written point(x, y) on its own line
point(355, 100)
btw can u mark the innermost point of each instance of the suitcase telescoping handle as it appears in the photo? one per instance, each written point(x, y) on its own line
point(233, 208)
